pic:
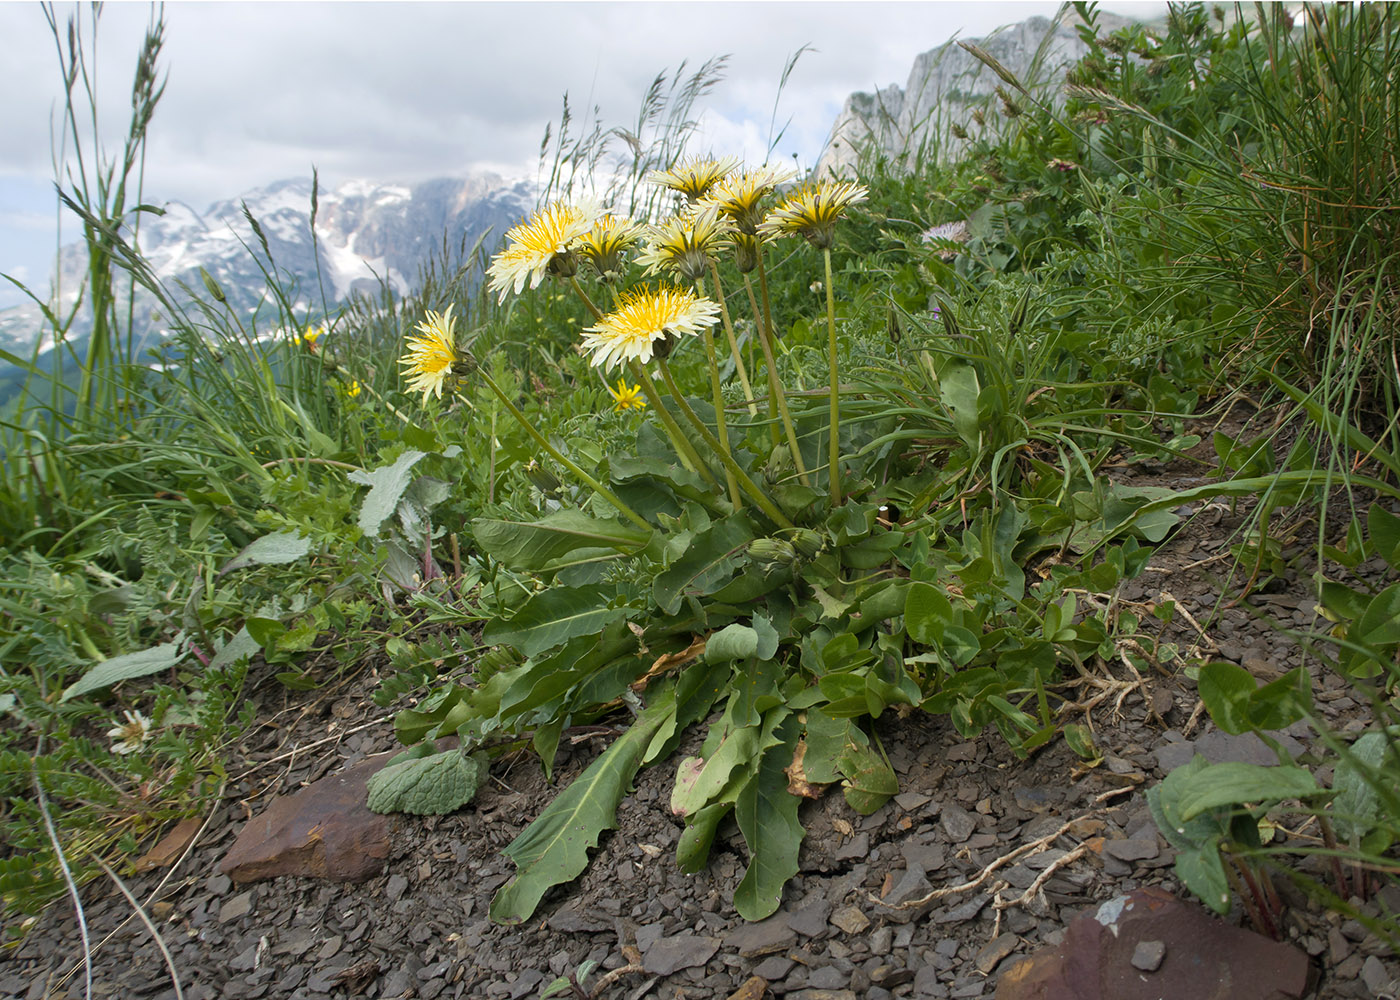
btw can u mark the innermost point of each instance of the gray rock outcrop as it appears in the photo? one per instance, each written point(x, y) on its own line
point(910, 125)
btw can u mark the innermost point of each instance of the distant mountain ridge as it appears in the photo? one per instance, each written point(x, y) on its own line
point(365, 232)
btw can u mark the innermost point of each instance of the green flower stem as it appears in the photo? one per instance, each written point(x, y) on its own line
point(690, 458)
point(554, 452)
point(739, 368)
point(717, 395)
point(767, 354)
point(834, 441)
point(777, 386)
point(765, 504)
point(597, 313)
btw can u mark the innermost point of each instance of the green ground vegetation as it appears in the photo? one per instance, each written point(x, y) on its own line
point(905, 507)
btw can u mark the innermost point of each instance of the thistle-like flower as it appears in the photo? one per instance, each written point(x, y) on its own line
point(540, 246)
point(812, 211)
point(603, 245)
point(625, 397)
point(432, 354)
point(695, 177)
point(130, 735)
point(685, 244)
point(739, 197)
point(644, 321)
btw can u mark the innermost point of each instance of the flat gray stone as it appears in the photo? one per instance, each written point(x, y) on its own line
point(929, 857)
point(911, 885)
point(957, 822)
point(811, 919)
point(1148, 955)
point(829, 977)
point(774, 968)
point(850, 920)
point(1132, 849)
point(762, 938)
point(569, 919)
point(683, 951)
point(854, 849)
point(1170, 756)
point(963, 911)
point(238, 906)
point(986, 960)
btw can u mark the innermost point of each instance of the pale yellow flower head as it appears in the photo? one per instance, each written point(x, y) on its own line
point(130, 736)
point(431, 355)
point(603, 245)
point(739, 197)
point(625, 398)
point(812, 211)
point(643, 319)
point(685, 244)
point(694, 177)
point(540, 245)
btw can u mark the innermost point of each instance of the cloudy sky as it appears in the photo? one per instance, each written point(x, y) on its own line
point(258, 92)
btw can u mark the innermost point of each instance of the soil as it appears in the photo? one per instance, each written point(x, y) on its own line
point(861, 920)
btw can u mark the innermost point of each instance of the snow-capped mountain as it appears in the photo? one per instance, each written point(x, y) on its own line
point(364, 233)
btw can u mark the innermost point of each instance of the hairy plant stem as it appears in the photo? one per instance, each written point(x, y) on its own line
point(559, 457)
point(739, 368)
point(768, 367)
point(690, 458)
point(717, 394)
point(834, 440)
point(774, 383)
point(764, 502)
point(597, 313)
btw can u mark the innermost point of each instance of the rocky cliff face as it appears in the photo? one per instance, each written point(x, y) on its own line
point(364, 233)
point(910, 124)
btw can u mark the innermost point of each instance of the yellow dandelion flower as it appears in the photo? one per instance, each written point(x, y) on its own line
point(130, 735)
point(684, 245)
point(695, 177)
point(812, 211)
point(643, 321)
point(431, 355)
point(603, 245)
point(625, 398)
point(539, 245)
point(739, 197)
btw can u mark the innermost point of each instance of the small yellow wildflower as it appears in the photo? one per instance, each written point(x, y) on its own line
point(431, 355)
point(739, 197)
point(684, 245)
point(812, 211)
point(539, 246)
point(130, 735)
point(625, 398)
point(312, 335)
point(695, 177)
point(642, 320)
point(353, 389)
point(603, 245)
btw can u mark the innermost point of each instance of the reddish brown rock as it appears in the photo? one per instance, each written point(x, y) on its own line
point(324, 830)
point(1204, 959)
